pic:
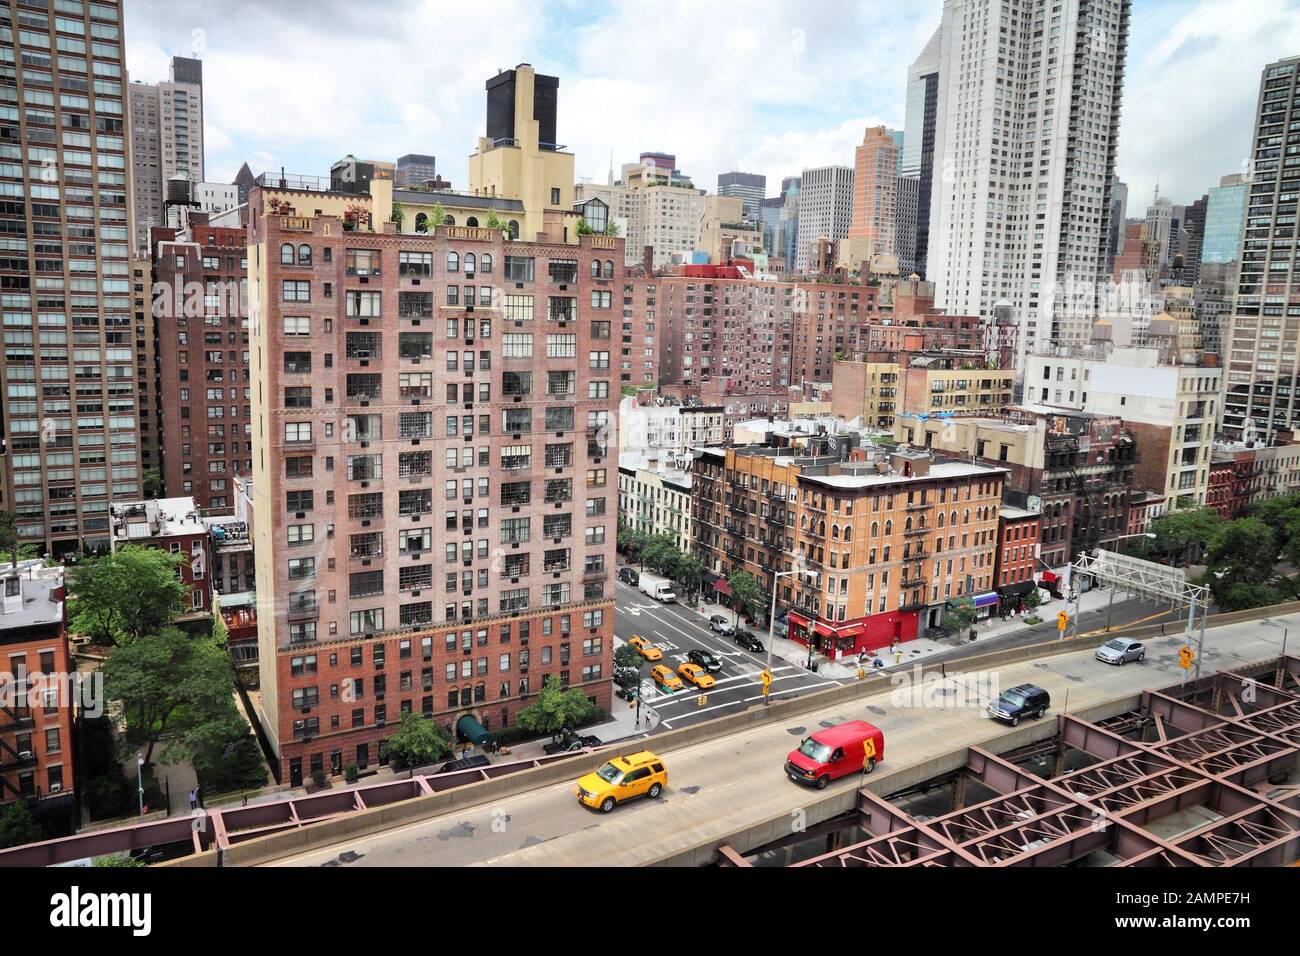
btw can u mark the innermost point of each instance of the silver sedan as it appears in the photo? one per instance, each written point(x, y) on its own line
point(1121, 651)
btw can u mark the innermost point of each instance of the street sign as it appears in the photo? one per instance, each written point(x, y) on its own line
point(868, 751)
point(1185, 658)
point(766, 678)
point(702, 700)
point(1062, 620)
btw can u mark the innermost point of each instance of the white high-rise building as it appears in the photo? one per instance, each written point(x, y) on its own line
point(166, 123)
point(1025, 139)
point(825, 208)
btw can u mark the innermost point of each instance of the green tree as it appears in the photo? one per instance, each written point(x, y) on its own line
point(18, 826)
point(9, 536)
point(418, 741)
point(1241, 562)
point(152, 483)
point(119, 597)
point(176, 687)
point(1032, 598)
point(746, 595)
point(118, 859)
point(1181, 534)
point(555, 709)
point(690, 572)
point(584, 227)
point(612, 228)
point(627, 666)
point(237, 764)
point(958, 616)
point(399, 215)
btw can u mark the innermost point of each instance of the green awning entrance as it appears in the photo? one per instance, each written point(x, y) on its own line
point(468, 728)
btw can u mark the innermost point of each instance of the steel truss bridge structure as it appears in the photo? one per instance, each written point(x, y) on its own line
point(1199, 775)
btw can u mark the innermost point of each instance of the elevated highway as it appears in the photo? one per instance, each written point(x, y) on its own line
point(730, 790)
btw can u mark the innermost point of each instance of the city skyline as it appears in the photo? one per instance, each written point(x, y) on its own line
point(807, 108)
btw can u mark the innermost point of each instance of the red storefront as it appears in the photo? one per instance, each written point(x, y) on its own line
point(849, 638)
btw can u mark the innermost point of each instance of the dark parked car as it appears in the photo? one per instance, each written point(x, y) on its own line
point(710, 662)
point(1024, 701)
point(465, 763)
point(748, 641)
point(629, 576)
point(570, 743)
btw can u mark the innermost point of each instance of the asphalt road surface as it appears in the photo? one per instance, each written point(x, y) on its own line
point(727, 784)
point(676, 631)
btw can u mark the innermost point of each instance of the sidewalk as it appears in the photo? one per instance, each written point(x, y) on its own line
point(922, 648)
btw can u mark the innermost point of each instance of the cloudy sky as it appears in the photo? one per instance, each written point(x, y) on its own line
point(768, 86)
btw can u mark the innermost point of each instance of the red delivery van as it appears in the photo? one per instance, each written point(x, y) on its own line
point(836, 752)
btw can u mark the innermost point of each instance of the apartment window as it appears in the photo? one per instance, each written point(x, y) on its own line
point(519, 269)
point(295, 290)
point(297, 432)
point(297, 325)
point(561, 345)
point(363, 262)
point(415, 305)
point(363, 304)
point(517, 345)
point(518, 308)
point(415, 263)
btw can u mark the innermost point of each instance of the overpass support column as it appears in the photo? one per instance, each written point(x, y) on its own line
point(959, 791)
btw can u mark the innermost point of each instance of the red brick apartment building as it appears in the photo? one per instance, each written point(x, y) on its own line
point(200, 298)
point(36, 747)
point(764, 336)
point(436, 475)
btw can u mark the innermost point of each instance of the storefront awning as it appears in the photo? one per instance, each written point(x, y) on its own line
point(798, 619)
point(986, 600)
point(721, 586)
point(468, 728)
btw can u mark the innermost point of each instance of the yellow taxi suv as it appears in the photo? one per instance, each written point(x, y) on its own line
point(665, 678)
point(646, 649)
point(623, 778)
point(697, 675)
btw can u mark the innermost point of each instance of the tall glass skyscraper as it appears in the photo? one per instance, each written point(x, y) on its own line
point(67, 376)
point(1224, 217)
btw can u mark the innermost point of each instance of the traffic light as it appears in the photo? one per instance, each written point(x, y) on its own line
point(1062, 620)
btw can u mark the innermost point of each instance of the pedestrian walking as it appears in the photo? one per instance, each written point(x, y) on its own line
point(194, 798)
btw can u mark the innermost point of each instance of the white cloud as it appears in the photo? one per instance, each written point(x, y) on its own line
point(763, 85)
point(1191, 91)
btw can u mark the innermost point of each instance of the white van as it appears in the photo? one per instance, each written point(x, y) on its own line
point(661, 589)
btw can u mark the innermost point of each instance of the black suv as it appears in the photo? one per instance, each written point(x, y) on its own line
point(629, 576)
point(1027, 700)
point(748, 641)
point(708, 661)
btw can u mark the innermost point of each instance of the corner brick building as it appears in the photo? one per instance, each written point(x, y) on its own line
point(435, 480)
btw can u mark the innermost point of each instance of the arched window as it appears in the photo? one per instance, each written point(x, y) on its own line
point(940, 519)
point(952, 520)
point(485, 263)
point(472, 221)
point(286, 254)
point(453, 262)
point(889, 528)
point(907, 525)
point(304, 255)
point(469, 262)
point(835, 532)
point(595, 268)
point(821, 528)
point(449, 220)
point(966, 517)
point(608, 271)
point(421, 222)
point(514, 228)
point(875, 529)
point(848, 533)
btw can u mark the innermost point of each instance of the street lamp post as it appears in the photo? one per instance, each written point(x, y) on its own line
point(139, 780)
point(771, 619)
